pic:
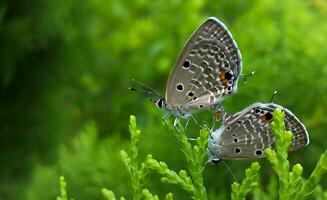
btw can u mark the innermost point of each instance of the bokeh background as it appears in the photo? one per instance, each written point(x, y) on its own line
point(65, 67)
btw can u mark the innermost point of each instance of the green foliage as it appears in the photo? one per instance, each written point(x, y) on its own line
point(67, 63)
point(109, 195)
point(249, 183)
point(291, 183)
point(63, 192)
point(137, 173)
point(195, 156)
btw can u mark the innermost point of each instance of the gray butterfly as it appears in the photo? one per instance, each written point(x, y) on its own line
point(247, 133)
point(206, 71)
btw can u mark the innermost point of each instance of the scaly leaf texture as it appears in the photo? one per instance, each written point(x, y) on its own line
point(278, 157)
point(195, 157)
point(171, 176)
point(316, 176)
point(249, 183)
point(63, 191)
point(137, 173)
point(108, 194)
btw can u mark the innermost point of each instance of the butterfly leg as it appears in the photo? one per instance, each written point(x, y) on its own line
point(165, 117)
point(186, 124)
point(176, 121)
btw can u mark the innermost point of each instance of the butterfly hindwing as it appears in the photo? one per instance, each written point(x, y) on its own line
point(249, 133)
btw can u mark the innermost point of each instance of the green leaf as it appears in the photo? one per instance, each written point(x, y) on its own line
point(249, 183)
point(108, 194)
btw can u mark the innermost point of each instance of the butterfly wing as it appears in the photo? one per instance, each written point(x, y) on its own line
point(207, 69)
point(249, 133)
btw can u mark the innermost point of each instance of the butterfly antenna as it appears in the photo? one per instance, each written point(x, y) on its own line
point(273, 95)
point(153, 91)
point(231, 172)
point(146, 92)
point(245, 76)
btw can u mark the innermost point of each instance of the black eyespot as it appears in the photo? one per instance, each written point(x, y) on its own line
point(257, 110)
point(190, 94)
point(237, 150)
point(268, 116)
point(235, 140)
point(229, 88)
point(201, 106)
point(258, 152)
point(194, 98)
point(228, 128)
point(186, 64)
point(228, 76)
point(180, 87)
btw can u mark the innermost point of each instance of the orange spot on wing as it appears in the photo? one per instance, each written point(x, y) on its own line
point(218, 116)
point(265, 120)
point(223, 78)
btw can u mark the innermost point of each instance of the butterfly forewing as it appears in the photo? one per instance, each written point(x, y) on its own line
point(248, 134)
point(207, 68)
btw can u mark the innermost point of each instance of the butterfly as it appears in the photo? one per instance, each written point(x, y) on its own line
point(206, 71)
point(247, 133)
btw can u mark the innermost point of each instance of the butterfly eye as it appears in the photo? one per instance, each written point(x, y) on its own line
point(160, 103)
point(215, 161)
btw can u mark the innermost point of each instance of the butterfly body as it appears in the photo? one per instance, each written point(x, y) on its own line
point(247, 133)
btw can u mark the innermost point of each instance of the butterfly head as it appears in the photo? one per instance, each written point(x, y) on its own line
point(213, 146)
point(161, 103)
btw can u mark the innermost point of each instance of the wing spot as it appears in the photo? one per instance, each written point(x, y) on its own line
point(180, 87)
point(235, 140)
point(237, 150)
point(190, 94)
point(186, 64)
point(258, 152)
point(228, 76)
point(268, 116)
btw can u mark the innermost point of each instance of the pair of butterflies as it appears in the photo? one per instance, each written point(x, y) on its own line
point(206, 71)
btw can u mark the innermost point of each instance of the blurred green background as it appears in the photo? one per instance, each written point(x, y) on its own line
point(65, 67)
